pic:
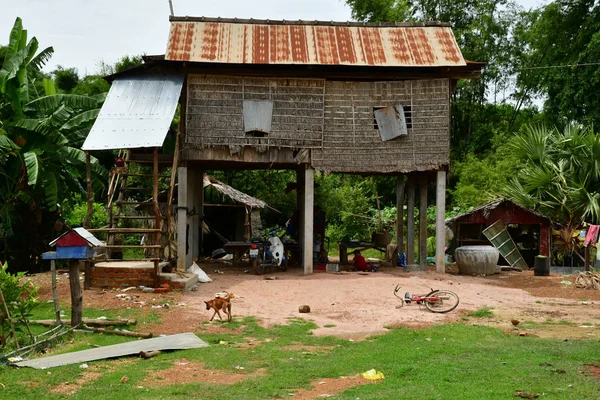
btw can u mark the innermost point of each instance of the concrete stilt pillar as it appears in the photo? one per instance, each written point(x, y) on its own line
point(182, 198)
point(440, 226)
point(300, 209)
point(400, 213)
point(308, 217)
point(410, 222)
point(423, 223)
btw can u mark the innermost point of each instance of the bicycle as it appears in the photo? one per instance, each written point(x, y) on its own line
point(437, 301)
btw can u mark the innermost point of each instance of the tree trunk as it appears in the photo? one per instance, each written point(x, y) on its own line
point(76, 294)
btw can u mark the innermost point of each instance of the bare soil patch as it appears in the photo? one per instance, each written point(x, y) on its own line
point(352, 305)
point(183, 371)
point(329, 387)
point(70, 388)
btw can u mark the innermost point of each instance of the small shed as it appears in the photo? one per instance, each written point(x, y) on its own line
point(531, 231)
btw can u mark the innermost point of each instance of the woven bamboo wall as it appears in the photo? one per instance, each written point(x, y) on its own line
point(351, 142)
point(215, 118)
point(332, 118)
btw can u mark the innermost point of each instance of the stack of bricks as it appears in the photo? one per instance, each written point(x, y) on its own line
point(107, 277)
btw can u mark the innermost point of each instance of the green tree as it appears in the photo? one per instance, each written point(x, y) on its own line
point(561, 49)
point(40, 162)
point(65, 78)
point(559, 173)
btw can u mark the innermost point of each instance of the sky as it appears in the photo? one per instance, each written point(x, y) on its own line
point(84, 33)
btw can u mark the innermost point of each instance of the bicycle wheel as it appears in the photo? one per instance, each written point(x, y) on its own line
point(441, 301)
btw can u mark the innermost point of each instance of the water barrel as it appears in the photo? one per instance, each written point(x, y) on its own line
point(541, 266)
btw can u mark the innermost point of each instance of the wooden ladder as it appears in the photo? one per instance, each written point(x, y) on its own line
point(130, 198)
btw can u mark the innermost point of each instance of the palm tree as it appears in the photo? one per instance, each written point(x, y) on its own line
point(40, 133)
point(559, 177)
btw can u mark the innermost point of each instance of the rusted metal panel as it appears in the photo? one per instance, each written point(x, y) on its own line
point(232, 42)
point(137, 113)
point(391, 122)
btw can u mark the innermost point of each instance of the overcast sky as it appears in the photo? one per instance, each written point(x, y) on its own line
point(85, 32)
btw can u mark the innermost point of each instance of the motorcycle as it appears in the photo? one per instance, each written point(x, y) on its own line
point(268, 254)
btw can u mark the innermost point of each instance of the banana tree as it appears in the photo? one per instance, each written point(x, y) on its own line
point(40, 136)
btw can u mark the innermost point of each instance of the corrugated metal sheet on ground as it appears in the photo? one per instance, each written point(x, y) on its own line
point(137, 113)
point(271, 43)
point(180, 341)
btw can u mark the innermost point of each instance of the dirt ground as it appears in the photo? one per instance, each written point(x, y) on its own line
point(355, 305)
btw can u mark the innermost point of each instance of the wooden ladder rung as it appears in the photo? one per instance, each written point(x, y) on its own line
point(139, 203)
point(125, 230)
point(136, 217)
point(132, 246)
point(146, 175)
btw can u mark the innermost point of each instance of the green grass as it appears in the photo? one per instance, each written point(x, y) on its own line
point(483, 312)
point(446, 361)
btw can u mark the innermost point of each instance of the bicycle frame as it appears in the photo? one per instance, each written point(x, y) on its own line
point(437, 301)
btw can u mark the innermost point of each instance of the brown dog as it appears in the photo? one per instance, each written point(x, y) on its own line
point(219, 304)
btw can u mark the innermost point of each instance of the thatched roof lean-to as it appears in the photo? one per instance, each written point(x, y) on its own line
point(234, 194)
point(209, 181)
point(486, 210)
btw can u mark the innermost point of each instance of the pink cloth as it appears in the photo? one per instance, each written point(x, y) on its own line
point(592, 235)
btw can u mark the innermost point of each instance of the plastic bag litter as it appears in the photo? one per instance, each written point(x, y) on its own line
point(202, 277)
point(372, 375)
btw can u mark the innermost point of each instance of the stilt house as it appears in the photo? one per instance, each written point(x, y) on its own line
point(336, 97)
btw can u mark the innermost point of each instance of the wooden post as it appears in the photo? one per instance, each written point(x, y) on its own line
point(200, 211)
point(400, 213)
point(309, 201)
point(157, 218)
point(423, 222)
point(90, 193)
point(196, 199)
point(192, 237)
point(55, 292)
point(440, 226)
point(410, 222)
point(87, 280)
point(76, 294)
point(170, 228)
point(181, 218)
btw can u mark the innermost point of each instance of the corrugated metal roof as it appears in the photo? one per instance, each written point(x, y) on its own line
point(137, 113)
point(237, 42)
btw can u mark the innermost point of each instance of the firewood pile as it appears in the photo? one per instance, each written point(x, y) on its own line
point(588, 280)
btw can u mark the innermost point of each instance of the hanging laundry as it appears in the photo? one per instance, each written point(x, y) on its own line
point(592, 235)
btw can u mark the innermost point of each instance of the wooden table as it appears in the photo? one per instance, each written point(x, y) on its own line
point(238, 249)
point(344, 246)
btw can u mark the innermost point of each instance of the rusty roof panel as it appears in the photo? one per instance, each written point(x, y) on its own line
point(234, 42)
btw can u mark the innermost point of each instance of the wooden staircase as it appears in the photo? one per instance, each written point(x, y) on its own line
point(128, 215)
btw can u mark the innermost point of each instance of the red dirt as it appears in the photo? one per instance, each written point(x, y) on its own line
point(354, 305)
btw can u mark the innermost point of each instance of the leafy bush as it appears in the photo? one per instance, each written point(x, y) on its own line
point(75, 211)
point(20, 299)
